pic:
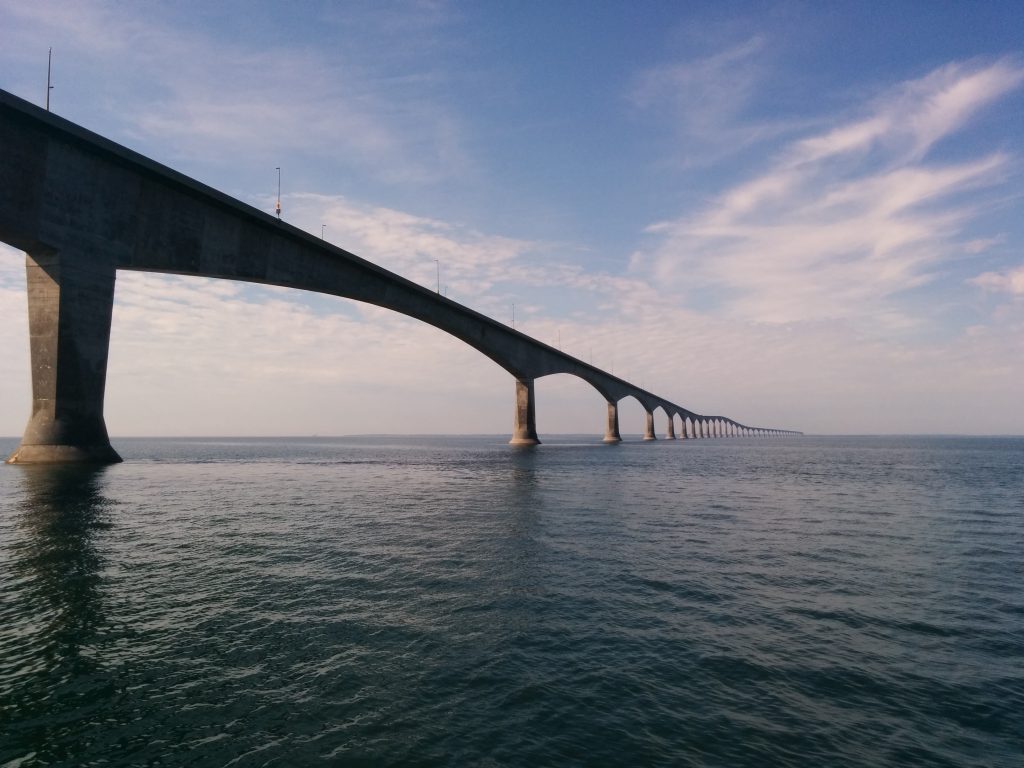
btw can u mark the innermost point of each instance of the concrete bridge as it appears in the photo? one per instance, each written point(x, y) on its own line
point(83, 207)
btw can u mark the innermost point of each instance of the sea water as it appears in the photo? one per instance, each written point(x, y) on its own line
point(455, 601)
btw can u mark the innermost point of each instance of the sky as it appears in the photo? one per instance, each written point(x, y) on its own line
point(799, 215)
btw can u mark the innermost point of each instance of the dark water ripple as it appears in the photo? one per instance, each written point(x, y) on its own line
point(852, 602)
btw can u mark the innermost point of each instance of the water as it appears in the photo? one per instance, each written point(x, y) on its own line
point(452, 601)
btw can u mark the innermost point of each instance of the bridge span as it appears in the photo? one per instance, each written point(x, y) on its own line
point(83, 207)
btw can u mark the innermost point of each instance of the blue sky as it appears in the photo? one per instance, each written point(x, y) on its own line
point(804, 215)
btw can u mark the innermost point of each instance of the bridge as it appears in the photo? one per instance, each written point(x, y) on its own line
point(82, 207)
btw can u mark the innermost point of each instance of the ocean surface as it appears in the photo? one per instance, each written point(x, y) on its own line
point(443, 601)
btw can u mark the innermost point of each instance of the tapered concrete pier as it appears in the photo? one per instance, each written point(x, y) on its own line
point(611, 432)
point(649, 427)
point(524, 429)
point(70, 301)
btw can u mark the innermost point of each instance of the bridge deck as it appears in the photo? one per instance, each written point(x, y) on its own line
point(83, 207)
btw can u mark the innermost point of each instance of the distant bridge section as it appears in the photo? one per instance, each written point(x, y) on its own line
point(83, 207)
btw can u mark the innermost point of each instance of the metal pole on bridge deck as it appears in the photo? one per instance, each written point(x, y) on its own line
point(277, 207)
point(49, 69)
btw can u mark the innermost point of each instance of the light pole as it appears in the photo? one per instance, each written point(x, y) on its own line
point(49, 66)
point(322, 228)
point(437, 264)
point(278, 206)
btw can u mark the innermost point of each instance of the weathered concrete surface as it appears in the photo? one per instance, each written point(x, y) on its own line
point(649, 426)
point(611, 432)
point(84, 207)
point(524, 428)
point(70, 304)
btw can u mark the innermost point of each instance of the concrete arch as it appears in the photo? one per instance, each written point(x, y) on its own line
point(673, 431)
point(633, 411)
point(577, 380)
point(666, 411)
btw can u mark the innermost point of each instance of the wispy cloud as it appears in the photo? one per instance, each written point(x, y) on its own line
point(485, 271)
point(844, 220)
point(708, 101)
point(909, 120)
point(213, 98)
point(1011, 281)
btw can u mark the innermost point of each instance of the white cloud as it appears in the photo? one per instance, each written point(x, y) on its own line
point(213, 98)
point(813, 238)
point(708, 100)
point(1011, 281)
point(484, 271)
point(982, 244)
point(912, 118)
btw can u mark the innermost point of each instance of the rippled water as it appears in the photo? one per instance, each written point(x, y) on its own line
point(453, 601)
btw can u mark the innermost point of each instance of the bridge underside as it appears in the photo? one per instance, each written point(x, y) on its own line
point(82, 208)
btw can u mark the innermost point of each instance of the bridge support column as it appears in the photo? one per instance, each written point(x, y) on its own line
point(524, 431)
point(670, 434)
point(611, 430)
point(649, 427)
point(70, 301)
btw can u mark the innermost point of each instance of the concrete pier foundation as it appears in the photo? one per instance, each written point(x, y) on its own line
point(670, 433)
point(524, 430)
point(611, 431)
point(70, 301)
point(649, 427)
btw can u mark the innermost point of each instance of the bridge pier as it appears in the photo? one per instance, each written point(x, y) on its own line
point(611, 430)
point(649, 427)
point(70, 302)
point(524, 431)
point(670, 433)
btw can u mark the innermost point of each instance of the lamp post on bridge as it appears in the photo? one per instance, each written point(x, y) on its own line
point(277, 207)
point(49, 68)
